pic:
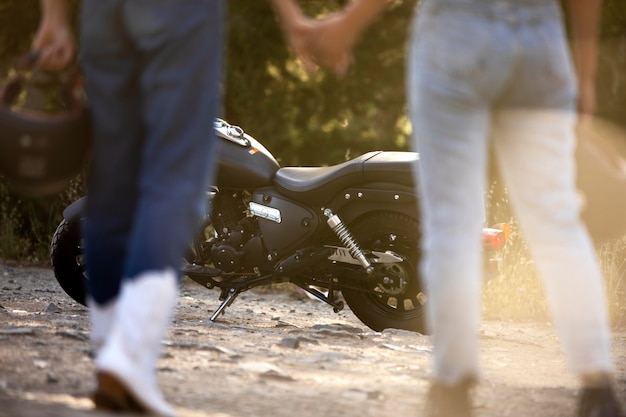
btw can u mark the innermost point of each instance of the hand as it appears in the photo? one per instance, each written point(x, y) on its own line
point(298, 34)
point(55, 44)
point(331, 43)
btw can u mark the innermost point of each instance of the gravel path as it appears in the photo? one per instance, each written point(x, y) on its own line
point(274, 353)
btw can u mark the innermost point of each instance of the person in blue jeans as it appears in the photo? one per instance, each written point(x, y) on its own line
point(497, 73)
point(152, 74)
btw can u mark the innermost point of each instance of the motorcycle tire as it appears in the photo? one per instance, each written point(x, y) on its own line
point(66, 255)
point(392, 296)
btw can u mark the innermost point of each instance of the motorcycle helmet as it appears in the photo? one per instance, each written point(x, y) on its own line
point(40, 151)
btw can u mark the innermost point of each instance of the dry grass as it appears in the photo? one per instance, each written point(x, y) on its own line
point(613, 261)
point(518, 294)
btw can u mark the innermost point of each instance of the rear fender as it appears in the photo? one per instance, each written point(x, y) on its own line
point(354, 202)
point(76, 210)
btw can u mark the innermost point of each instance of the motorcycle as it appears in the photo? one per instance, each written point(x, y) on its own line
point(346, 231)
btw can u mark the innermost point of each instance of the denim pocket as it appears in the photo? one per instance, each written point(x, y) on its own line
point(453, 41)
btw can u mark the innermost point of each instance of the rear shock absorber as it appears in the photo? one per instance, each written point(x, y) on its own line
point(337, 226)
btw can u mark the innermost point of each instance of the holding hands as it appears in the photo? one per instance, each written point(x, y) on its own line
point(330, 42)
point(327, 42)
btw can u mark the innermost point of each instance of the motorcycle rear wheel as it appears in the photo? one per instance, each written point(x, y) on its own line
point(392, 297)
point(67, 257)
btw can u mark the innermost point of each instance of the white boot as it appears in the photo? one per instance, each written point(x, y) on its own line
point(127, 362)
point(101, 318)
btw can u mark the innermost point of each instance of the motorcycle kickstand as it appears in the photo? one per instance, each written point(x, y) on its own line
point(228, 300)
point(336, 304)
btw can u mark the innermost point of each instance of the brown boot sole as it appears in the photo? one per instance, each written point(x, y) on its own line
point(112, 395)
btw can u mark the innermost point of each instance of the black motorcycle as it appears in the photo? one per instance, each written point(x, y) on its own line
point(348, 230)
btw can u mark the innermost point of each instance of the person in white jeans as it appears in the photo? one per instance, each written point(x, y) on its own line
point(497, 73)
point(514, 83)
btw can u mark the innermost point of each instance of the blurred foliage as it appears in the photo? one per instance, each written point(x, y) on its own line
point(27, 223)
point(318, 119)
point(18, 21)
point(611, 83)
point(302, 119)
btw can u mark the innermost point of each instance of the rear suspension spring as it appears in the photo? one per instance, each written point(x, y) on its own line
point(344, 235)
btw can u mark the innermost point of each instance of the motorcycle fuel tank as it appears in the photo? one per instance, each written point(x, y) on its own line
point(242, 163)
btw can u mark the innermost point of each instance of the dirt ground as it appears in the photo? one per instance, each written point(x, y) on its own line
point(274, 353)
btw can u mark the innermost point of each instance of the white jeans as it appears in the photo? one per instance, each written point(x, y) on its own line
point(485, 73)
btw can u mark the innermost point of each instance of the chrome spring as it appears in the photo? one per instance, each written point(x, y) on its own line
point(346, 238)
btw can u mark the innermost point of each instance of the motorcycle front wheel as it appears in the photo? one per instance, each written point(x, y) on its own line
point(392, 296)
point(67, 257)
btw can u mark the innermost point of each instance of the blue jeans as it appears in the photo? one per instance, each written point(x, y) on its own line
point(497, 73)
point(152, 70)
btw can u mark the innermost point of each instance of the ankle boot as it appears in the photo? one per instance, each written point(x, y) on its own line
point(597, 398)
point(450, 400)
point(126, 364)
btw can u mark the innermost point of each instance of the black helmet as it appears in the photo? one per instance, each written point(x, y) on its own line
point(41, 151)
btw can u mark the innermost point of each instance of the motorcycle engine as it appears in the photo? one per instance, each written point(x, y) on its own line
point(227, 209)
point(234, 230)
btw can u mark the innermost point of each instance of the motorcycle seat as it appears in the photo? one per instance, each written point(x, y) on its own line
point(320, 184)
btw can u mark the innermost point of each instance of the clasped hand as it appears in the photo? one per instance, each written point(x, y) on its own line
point(325, 42)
